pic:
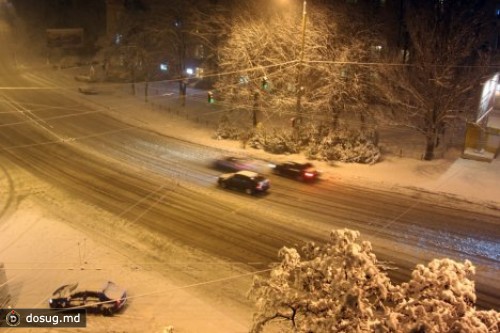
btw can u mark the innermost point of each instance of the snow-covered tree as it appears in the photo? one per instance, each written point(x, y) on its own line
point(441, 68)
point(264, 44)
point(260, 67)
point(440, 297)
point(341, 287)
point(161, 32)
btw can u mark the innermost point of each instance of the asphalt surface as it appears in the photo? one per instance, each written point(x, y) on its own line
point(167, 186)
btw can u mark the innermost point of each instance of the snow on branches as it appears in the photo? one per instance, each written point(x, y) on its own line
point(340, 287)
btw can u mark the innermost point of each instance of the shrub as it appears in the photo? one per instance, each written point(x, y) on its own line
point(340, 287)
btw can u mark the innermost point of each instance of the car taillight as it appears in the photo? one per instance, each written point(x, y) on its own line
point(309, 174)
point(261, 185)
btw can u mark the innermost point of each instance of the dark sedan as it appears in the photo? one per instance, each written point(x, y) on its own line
point(106, 299)
point(246, 181)
point(300, 171)
point(232, 163)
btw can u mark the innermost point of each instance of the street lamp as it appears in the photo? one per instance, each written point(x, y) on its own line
point(299, 88)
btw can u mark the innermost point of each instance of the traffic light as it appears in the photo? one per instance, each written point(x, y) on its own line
point(265, 83)
point(211, 99)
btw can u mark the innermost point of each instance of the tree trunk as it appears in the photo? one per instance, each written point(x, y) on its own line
point(362, 119)
point(429, 150)
point(254, 111)
point(376, 137)
point(183, 91)
point(133, 81)
point(430, 145)
point(335, 119)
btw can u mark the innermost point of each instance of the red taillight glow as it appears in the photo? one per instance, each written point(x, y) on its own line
point(309, 174)
point(262, 185)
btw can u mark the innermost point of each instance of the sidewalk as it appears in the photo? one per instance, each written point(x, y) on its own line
point(43, 251)
point(195, 122)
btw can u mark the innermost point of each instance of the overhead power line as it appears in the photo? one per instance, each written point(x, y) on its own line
point(331, 62)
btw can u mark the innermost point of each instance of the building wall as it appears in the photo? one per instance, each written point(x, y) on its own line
point(114, 9)
point(493, 143)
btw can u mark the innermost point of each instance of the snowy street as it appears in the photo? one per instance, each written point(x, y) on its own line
point(107, 187)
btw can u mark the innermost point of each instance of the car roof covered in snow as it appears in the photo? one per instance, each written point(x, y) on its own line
point(249, 174)
point(110, 289)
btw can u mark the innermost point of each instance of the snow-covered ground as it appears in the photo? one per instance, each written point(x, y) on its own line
point(46, 240)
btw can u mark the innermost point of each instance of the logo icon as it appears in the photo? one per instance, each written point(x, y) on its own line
point(13, 318)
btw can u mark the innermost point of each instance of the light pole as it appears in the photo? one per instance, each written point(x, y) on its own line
point(299, 88)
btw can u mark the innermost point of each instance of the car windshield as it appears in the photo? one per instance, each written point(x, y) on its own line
point(112, 291)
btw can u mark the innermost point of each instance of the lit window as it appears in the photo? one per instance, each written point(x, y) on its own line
point(199, 51)
point(199, 72)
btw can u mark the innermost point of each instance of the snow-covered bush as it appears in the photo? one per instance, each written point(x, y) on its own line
point(345, 145)
point(318, 142)
point(440, 297)
point(340, 287)
point(229, 131)
point(276, 141)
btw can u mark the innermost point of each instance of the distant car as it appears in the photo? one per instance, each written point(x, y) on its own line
point(87, 90)
point(106, 299)
point(299, 171)
point(231, 163)
point(247, 181)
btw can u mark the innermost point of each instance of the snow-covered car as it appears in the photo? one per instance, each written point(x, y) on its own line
point(300, 171)
point(247, 181)
point(231, 163)
point(106, 299)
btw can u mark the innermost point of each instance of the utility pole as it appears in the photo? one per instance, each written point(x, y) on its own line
point(300, 88)
point(255, 108)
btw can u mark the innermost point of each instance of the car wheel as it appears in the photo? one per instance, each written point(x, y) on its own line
point(223, 184)
point(107, 311)
point(249, 191)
